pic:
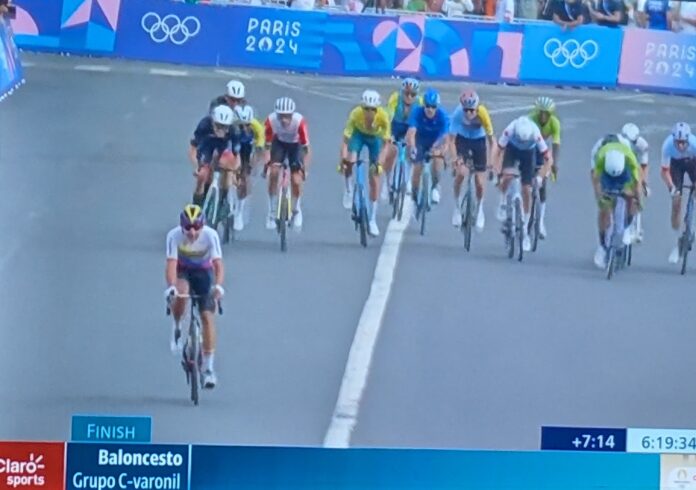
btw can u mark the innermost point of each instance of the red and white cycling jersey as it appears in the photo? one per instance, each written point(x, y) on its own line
point(295, 132)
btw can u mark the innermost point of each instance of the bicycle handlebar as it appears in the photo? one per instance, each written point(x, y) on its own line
point(170, 298)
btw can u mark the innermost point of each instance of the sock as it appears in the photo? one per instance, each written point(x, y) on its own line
point(297, 204)
point(208, 359)
point(542, 210)
point(373, 212)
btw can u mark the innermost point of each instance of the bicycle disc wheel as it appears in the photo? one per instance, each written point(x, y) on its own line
point(283, 224)
point(363, 223)
point(519, 225)
point(467, 220)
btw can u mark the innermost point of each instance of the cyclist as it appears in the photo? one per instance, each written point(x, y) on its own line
point(194, 263)
point(368, 126)
point(614, 168)
point(471, 131)
point(678, 159)
point(544, 116)
point(399, 107)
point(287, 138)
point(248, 137)
point(520, 142)
point(211, 144)
point(234, 96)
point(640, 149)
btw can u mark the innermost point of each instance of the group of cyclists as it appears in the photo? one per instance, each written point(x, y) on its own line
point(230, 139)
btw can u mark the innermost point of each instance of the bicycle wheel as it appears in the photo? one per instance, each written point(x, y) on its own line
point(401, 199)
point(363, 221)
point(534, 224)
point(467, 219)
point(283, 222)
point(509, 232)
point(629, 255)
point(210, 207)
point(611, 262)
point(425, 201)
point(194, 356)
point(519, 228)
point(395, 191)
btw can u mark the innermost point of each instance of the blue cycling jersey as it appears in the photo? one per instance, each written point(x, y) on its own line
point(671, 152)
point(657, 13)
point(428, 130)
point(206, 141)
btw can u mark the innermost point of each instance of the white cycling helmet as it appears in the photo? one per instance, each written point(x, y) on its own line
point(245, 113)
point(236, 89)
point(285, 105)
point(681, 131)
point(370, 98)
point(410, 84)
point(614, 163)
point(631, 132)
point(222, 114)
point(524, 128)
point(545, 104)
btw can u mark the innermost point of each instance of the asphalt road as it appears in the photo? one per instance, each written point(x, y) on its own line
point(475, 350)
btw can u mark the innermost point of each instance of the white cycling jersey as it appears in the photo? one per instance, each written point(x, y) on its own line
point(197, 254)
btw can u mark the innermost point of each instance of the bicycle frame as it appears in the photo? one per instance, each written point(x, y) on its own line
point(618, 253)
point(513, 221)
point(283, 191)
point(400, 171)
point(212, 198)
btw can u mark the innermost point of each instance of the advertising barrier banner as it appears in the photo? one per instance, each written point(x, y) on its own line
point(32, 465)
point(660, 60)
point(126, 467)
point(11, 74)
point(588, 55)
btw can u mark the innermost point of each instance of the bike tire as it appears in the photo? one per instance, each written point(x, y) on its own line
point(519, 229)
point(611, 263)
point(685, 246)
point(363, 224)
point(402, 199)
point(210, 209)
point(283, 224)
point(227, 230)
point(194, 360)
point(425, 202)
point(536, 220)
point(629, 255)
point(395, 192)
point(509, 233)
point(467, 221)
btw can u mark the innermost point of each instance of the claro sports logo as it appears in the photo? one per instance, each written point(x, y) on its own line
point(23, 473)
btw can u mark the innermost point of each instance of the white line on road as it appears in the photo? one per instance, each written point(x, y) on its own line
point(27, 64)
point(283, 83)
point(345, 415)
point(235, 74)
point(97, 68)
point(168, 73)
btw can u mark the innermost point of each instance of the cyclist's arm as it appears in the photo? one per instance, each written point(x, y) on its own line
point(392, 103)
point(216, 257)
point(259, 136)
point(303, 139)
point(269, 132)
point(666, 162)
point(548, 157)
point(219, 271)
point(172, 258)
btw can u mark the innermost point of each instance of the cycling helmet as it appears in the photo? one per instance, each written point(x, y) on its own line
point(631, 132)
point(410, 84)
point(235, 89)
point(285, 105)
point(431, 97)
point(469, 99)
point(245, 113)
point(370, 99)
point(614, 163)
point(192, 215)
point(545, 104)
point(223, 115)
point(524, 128)
point(681, 131)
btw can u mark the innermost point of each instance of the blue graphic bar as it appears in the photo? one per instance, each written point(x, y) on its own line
point(96, 428)
point(583, 439)
point(11, 75)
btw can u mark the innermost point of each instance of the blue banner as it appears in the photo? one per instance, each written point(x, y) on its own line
point(11, 74)
point(273, 38)
point(587, 55)
point(100, 428)
point(126, 467)
point(163, 30)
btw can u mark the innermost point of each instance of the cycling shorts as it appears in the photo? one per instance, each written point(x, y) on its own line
point(399, 130)
point(526, 159)
point(281, 151)
point(678, 168)
point(245, 150)
point(477, 147)
point(360, 140)
point(200, 283)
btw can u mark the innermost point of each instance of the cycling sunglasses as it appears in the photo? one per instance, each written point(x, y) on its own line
point(430, 106)
point(370, 109)
point(194, 226)
point(220, 127)
point(470, 111)
point(410, 94)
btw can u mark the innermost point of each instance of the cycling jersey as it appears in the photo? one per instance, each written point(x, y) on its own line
point(397, 109)
point(380, 126)
point(253, 133)
point(478, 127)
point(197, 254)
point(552, 128)
point(640, 149)
point(632, 172)
point(428, 130)
point(207, 142)
point(509, 137)
point(656, 11)
point(294, 132)
point(671, 152)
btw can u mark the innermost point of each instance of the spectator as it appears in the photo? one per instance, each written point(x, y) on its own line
point(354, 6)
point(505, 10)
point(610, 13)
point(528, 9)
point(302, 4)
point(417, 6)
point(568, 14)
point(654, 14)
point(546, 8)
point(684, 17)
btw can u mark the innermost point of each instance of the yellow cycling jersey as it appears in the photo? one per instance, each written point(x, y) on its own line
point(396, 110)
point(381, 124)
point(258, 130)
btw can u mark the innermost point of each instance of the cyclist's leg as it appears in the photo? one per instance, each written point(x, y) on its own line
point(479, 154)
point(227, 165)
point(510, 157)
point(526, 177)
point(243, 171)
point(354, 147)
point(417, 170)
point(377, 154)
point(677, 171)
point(295, 160)
point(461, 173)
point(205, 159)
point(278, 155)
point(201, 283)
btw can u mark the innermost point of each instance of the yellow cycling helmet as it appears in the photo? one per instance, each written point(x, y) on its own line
point(192, 217)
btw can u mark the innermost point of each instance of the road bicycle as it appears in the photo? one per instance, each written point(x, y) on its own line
point(618, 253)
point(424, 198)
point(468, 204)
point(192, 353)
point(513, 226)
point(217, 213)
point(533, 228)
point(686, 240)
point(359, 213)
point(397, 190)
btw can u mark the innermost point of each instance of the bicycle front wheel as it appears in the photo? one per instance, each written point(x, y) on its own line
point(283, 223)
point(611, 263)
point(519, 225)
point(509, 230)
point(194, 361)
point(467, 219)
point(536, 220)
point(424, 201)
point(210, 207)
point(685, 246)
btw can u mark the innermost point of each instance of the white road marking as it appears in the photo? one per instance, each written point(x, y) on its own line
point(27, 64)
point(345, 415)
point(168, 73)
point(235, 74)
point(97, 68)
point(283, 83)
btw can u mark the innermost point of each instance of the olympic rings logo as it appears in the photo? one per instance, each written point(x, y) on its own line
point(570, 52)
point(170, 27)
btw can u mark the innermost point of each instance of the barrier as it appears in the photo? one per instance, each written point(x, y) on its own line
point(11, 75)
point(333, 43)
